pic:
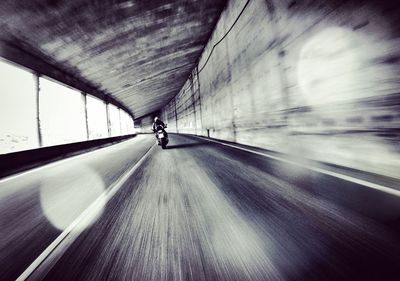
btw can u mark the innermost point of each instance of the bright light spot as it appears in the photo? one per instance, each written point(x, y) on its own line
point(67, 193)
point(62, 113)
point(97, 118)
point(18, 127)
point(115, 120)
point(329, 66)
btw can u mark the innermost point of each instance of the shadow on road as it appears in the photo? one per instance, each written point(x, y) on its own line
point(185, 145)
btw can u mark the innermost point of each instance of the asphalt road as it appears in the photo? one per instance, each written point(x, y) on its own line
point(195, 211)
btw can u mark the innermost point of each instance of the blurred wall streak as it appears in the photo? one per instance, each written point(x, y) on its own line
point(316, 79)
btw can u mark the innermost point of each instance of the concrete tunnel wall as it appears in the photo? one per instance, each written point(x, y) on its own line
point(317, 80)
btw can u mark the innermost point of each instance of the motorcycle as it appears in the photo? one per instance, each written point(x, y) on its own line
point(162, 136)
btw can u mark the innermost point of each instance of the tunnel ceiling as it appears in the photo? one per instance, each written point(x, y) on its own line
point(141, 52)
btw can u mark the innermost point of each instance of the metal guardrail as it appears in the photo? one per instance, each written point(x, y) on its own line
point(16, 162)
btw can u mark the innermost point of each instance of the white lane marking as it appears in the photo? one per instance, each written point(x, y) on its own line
point(61, 161)
point(379, 187)
point(104, 197)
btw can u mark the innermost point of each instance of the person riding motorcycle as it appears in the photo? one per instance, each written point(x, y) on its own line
point(158, 122)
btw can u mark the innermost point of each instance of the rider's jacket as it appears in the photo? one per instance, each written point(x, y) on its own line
point(157, 123)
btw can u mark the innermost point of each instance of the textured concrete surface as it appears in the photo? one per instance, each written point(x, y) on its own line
point(315, 79)
point(196, 211)
point(139, 52)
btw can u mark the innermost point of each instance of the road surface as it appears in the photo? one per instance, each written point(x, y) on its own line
point(195, 211)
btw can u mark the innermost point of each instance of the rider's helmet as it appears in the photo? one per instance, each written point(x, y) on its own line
point(155, 119)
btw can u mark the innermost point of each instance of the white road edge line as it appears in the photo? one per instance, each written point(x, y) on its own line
point(104, 197)
point(61, 161)
point(379, 187)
